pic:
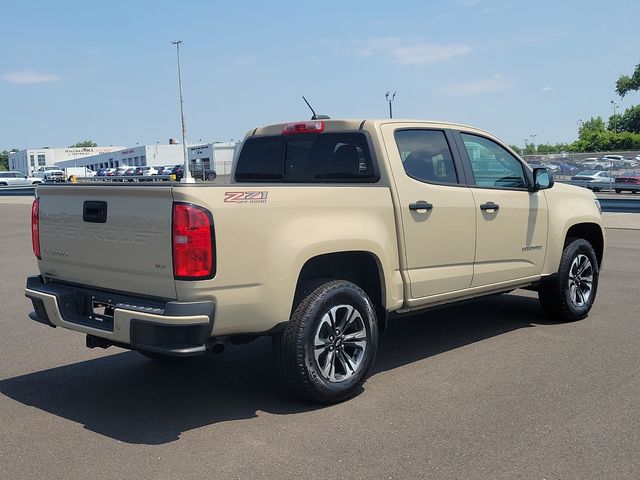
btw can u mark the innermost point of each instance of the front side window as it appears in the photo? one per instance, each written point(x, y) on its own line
point(492, 165)
point(426, 156)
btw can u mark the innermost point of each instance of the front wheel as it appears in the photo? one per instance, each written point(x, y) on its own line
point(330, 343)
point(570, 294)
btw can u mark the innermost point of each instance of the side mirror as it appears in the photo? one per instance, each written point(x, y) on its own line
point(542, 179)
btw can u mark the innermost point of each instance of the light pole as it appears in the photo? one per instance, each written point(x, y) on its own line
point(186, 176)
point(390, 100)
point(533, 141)
point(615, 120)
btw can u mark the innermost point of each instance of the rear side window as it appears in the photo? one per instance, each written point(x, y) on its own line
point(332, 157)
point(426, 156)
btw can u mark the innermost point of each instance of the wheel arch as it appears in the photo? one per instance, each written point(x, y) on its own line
point(591, 232)
point(362, 268)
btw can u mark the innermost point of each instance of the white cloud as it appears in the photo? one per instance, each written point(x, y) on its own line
point(546, 89)
point(495, 83)
point(30, 76)
point(412, 53)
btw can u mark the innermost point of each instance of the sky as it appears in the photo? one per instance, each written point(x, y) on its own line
point(106, 71)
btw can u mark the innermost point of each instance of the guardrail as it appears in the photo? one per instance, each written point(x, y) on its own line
point(18, 190)
point(620, 205)
point(127, 178)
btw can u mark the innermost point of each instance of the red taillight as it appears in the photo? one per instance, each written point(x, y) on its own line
point(35, 227)
point(192, 239)
point(313, 126)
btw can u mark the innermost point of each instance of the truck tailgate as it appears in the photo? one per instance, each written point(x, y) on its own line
point(111, 237)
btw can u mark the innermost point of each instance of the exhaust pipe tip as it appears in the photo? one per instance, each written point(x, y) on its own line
point(216, 346)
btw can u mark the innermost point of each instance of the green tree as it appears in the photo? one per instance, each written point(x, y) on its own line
point(626, 84)
point(516, 149)
point(4, 160)
point(615, 123)
point(630, 120)
point(86, 143)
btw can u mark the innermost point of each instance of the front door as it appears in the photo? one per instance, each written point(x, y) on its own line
point(437, 210)
point(512, 220)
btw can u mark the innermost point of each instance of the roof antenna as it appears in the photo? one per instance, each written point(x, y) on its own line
point(315, 117)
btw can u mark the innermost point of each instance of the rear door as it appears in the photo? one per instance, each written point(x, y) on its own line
point(511, 220)
point(437, 209)
point(115, 237)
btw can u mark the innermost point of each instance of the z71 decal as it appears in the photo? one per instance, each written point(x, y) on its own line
point(245, 197)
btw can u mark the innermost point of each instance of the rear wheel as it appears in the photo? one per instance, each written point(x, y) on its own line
point(618, 190)
point(330, 343)
point(570, 294)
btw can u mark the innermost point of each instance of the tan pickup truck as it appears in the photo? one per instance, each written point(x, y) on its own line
point(327, 230)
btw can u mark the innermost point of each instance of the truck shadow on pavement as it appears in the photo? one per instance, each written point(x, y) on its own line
point(129, 398)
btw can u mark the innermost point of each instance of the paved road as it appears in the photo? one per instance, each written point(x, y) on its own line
point(489, 391)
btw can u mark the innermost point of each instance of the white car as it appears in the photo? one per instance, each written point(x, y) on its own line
point(149, 170)
point(51, 174)
point(624, 162)
point(17, 178)
point(595, 163)
point(595, 180)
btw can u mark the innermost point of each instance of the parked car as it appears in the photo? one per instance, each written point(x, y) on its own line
point(566, 168)
point(629, 182)
point(101, 172)
point(176, 170)
point(595, 164)
point(130, 171)
point(148, 170)
point(120, 170)
point(50, 174)
point(111, 172)
point(618, 161)
point(595, 180)
point(17, 178)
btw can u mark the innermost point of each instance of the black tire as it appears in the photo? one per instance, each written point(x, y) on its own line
point(321, 312)
point(557, 297)
point(3, 184)
point(211, 176)
point(618, 190)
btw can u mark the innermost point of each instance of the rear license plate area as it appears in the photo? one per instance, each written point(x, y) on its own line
point(100, 314)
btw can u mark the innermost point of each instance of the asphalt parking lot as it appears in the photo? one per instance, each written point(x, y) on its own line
point(485, 390)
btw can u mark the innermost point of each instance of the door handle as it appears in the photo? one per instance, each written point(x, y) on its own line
point(489, 206)
point(420, 205)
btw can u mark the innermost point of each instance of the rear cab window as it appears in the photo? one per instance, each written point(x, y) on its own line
point(328, 157)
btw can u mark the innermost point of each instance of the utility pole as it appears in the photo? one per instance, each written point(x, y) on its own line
point(390, 98)
point(186, 177)
point(533, 141)
point(615, 110)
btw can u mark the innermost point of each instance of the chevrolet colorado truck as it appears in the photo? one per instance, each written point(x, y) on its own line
point(328, 229)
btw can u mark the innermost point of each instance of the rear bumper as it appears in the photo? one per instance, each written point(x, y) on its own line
point(170, 328)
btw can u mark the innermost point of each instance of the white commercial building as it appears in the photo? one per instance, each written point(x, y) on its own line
point(31, 159)
point(216, 156)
